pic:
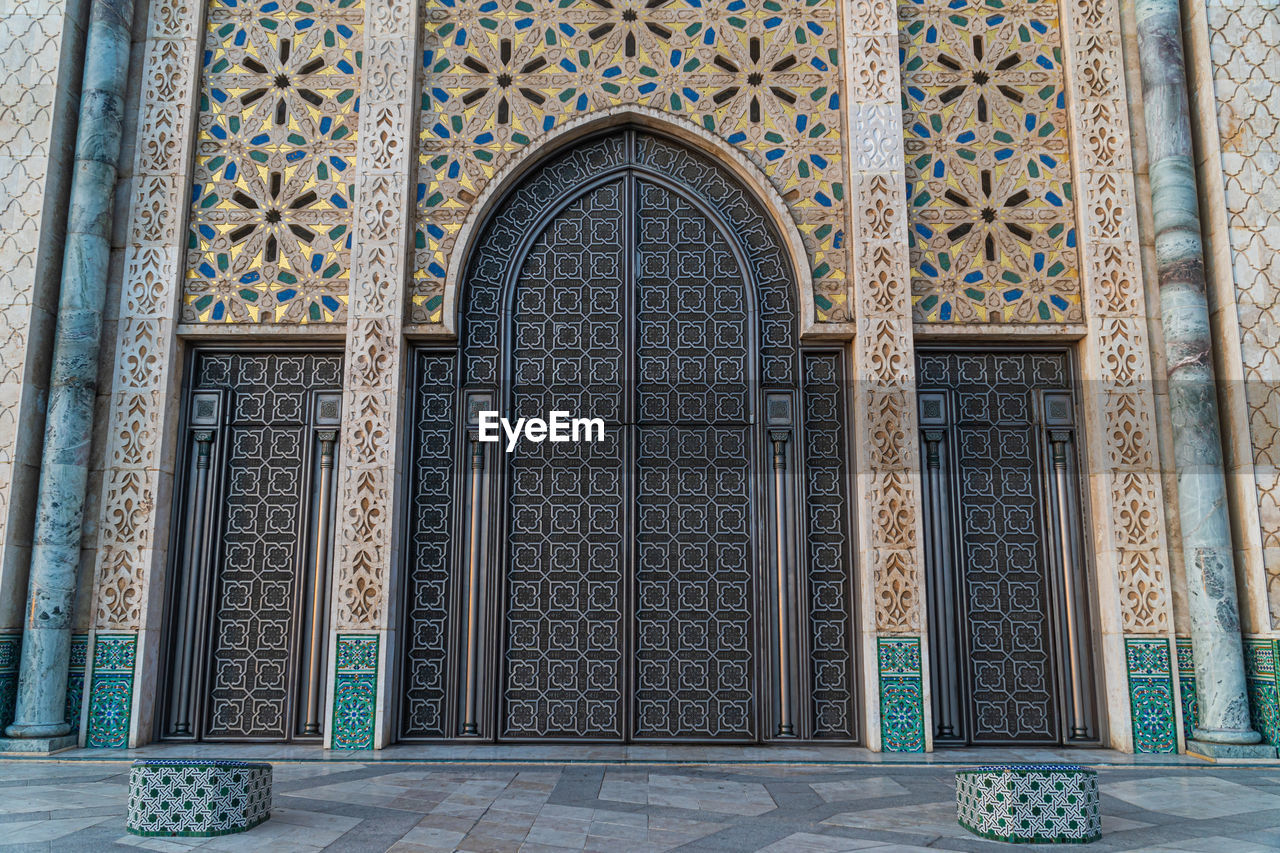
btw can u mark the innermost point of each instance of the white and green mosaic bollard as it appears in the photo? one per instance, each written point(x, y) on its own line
point(199, 798)
point(1030, 803)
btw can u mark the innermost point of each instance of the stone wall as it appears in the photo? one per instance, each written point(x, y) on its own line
point(1244, 47)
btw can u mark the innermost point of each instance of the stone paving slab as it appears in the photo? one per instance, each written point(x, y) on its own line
point(74, 804)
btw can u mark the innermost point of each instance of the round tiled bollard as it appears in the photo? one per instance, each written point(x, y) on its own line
point(1030, 803)
point(197, 798)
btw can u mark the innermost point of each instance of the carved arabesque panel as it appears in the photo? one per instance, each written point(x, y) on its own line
point(132, 540)
point(1118, 395)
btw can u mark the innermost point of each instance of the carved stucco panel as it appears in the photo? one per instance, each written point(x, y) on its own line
point(1118, 393)
point(133, 532)
point(366, 548)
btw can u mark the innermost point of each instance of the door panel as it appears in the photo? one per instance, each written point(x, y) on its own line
point(248, 583)
point(566, 534)
point(998, 582)
point(695, 584)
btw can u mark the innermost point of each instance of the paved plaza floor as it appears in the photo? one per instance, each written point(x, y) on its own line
point(618, 799)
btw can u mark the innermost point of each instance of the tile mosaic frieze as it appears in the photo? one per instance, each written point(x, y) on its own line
point(270, 234)
point(989, 190)
point(500, 75)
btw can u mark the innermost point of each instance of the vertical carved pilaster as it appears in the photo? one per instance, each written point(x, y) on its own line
point(1117, 395)
point(884, 370)
point(366, 548)
point(133, 539)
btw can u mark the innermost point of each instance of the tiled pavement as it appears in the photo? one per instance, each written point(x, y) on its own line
point(426, 799)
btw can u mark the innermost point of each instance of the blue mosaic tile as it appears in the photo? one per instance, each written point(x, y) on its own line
point(1151, 694)
point(1260, 656)
point(901, 694)
point(111, 690)
point(355, 691)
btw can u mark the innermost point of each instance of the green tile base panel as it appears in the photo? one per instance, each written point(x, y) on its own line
point(355, 691)
point(197, 799)
point(111, 690)
point(1187, 687)
point(1260, 657)
point(901, 694)
point(75, 679)
point(1030, 803)
point(1151, 694)
point(10, 650)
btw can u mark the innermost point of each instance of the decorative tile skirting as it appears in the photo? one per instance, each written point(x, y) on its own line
point(1030, 803)
point(355, 691)
point(75, 679)
point(901, 694)
point(1151, 694)
point(197, 799)
point(1187, 687)
point(111, 693)
point(1260, 658)
point(10, 652)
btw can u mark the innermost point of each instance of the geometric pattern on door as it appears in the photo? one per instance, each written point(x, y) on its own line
point(594, 622)
point(264, 519)
point(993, 449)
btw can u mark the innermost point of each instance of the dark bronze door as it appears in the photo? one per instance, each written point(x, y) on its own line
point(630, 307)
point(663, 583)
point(251, 556)
point(1007, 604)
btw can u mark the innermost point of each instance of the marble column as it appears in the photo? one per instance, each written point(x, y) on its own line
point(46, 642)
point(1224, 726)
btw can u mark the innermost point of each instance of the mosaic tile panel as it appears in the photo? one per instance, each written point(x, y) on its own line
point(355, 691)
point(197, 799)
point(270, 233)
point(901, 694)
point(1187, 687)
point(75, 679)
point(111, 690)
point(498, 75)
point(1151, 694)
point(988, 180)
point(1260, 656)
point(10, 654)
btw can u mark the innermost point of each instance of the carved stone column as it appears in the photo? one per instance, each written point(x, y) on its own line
point(367, 547)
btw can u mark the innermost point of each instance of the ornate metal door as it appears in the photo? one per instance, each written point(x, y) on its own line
point(249, 597)
point(1006, 570)
point(650, 585)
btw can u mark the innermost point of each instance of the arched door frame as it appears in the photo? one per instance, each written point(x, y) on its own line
point(679, 130)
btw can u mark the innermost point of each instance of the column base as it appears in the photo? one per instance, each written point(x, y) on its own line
point(38, 745)
point(1214, 751)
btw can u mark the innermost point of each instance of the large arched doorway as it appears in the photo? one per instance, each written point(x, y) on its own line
point(677, 580)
